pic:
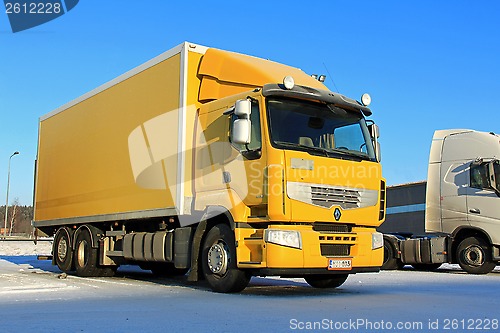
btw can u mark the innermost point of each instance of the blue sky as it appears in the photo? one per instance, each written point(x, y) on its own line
point(427, 64)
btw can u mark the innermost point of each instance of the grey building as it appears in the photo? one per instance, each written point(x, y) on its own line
point(405, 209)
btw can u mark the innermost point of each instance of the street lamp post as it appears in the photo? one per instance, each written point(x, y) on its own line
point(7, 199)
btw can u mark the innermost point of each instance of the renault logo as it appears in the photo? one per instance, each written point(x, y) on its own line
point(337, 214)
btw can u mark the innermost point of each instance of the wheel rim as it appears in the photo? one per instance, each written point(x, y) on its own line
point(218, 258)
point(82, 253)
point(62, 249)
point(473, 255)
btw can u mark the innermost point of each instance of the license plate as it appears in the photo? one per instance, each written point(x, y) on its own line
point(336, 264)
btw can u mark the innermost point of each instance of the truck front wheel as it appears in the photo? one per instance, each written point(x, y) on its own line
point(474, 256)
point(326, 281)
point(219, 261)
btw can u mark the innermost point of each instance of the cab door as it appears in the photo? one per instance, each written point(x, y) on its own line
point(245, 165)
point(482, 197)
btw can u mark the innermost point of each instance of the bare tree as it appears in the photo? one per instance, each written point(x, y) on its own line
point(18, 220)
point(13, 217)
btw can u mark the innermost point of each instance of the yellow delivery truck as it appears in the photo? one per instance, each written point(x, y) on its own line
point(215, 163)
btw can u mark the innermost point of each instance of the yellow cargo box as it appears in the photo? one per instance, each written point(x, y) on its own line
point(94, 153)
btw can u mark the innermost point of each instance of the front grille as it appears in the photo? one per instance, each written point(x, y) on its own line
point(332, 228)
point(335, 250)
point(329, 196)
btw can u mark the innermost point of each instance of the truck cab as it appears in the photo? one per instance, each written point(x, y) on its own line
point(462, 222)
point(298, 166)
point(463, 197)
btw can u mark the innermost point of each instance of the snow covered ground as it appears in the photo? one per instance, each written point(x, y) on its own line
point(36, 297)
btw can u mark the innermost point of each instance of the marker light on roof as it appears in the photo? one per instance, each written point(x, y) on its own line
point(288, 82)
point(366, 99)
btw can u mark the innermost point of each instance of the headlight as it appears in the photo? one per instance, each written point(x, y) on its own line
point(283, 237)
point(377, 240)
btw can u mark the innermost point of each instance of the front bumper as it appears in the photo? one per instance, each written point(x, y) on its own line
point(318, 247)
point(301, 272)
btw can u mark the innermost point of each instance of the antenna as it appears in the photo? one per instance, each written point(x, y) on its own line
point(331, 78)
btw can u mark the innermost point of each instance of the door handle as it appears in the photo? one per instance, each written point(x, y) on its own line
point(226, 177)
point(474, 211)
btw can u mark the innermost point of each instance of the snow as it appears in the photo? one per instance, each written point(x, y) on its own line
point(35, 296)
point(25, 247)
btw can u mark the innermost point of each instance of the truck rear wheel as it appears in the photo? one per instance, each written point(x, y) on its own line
point(62, 251)
point(326, 281)
point(474, 256)
point(219, 261)
point(86, 257)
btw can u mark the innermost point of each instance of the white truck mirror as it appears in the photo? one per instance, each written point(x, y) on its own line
point(378, 153)
point(374, 131)
point(241, 131)
point(242, 126)
point(243, 108)
point(493, 177)
point(375, 134)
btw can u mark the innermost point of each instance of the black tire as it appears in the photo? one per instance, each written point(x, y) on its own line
point(86, 258)
point(326, 281)
point(474, 256)
point(390, 260)
point(426, 267)
point(218, 259)
point(62, 251)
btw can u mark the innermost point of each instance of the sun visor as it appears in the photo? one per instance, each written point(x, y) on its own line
point(225, 73)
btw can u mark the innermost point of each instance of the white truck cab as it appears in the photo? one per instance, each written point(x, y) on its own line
point(462, 216)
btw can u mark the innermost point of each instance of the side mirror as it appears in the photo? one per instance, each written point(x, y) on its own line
point(375, 134)
point(241, 131)
point(493, 177)
point(242, 127)
point(374, 131)
point(378, 153)
point(243, 108)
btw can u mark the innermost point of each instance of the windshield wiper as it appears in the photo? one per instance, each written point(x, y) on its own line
point(326, 152)
point(349, 152)
point(323, 151)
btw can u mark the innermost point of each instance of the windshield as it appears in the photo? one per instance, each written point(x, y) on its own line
point(319, 129)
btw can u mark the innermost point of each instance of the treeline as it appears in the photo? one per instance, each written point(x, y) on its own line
point(18, 220)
